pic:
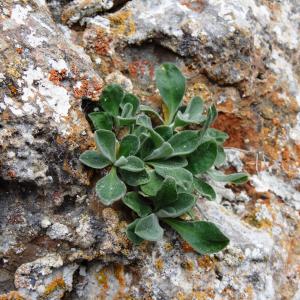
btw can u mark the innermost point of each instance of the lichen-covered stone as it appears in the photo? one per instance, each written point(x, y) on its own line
point(56, 239)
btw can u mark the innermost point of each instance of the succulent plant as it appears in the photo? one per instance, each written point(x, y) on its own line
point(159, 170)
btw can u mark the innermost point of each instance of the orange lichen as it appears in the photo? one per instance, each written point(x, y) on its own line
point(195, 5)
point(102, 278)
point(54, 285)
point(119, 273)
point(205, 262)
point(186, 247)
point(88, 88)
point(19, 50)
point(12, 89)
point(226, 106)
point(238, 129)
point(56, 76)
point(291, 160)
point(141, 68)
point(13, 295)
point(81, 91)
point(11, 173)
point(120, 276)
point(101, 43)
point(122, 23)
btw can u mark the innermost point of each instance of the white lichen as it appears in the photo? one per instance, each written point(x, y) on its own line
point(265, 181)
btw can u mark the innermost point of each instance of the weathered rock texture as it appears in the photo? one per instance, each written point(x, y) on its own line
point(56, 240)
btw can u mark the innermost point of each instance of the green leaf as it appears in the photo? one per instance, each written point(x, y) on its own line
point(192, 113)
point(121, 162)
point(134, 164)
point(94, 159)
point(140, 130)
point(148, 228)
point(167, 193)
point(126, 117)
point(237, 178)
point(125, 121)
point(135, 239)
point(145, 121)
point(111, 98)
point(173, 162)
point(149, 110)
point(153, 185)
point(133, 201)
point(127, 110)
point(221, 156)
point(184, 142)
point(171, 85)
point(194, 110)
point(110, 188)
point(134, 178)
point(204, 189)
point(203, 158)
point(156, 138)
point(182, 176)
point(146, 148)
point(106, 143)
point(219, 136)
point(163, 152)
point(182, 205)
point(164, 131)
point(204, 237)
point(129, 145)
point(211, 117)
point(133, 100)
point(101, 120)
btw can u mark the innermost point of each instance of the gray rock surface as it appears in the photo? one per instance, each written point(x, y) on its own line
point(56, 239)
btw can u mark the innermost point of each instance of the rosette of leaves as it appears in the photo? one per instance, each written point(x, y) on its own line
point(159, 165)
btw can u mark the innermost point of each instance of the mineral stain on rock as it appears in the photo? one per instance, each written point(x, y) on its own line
point(56, 240)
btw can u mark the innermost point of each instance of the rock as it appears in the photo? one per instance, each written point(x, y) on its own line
point(43, 278)
point(78, 9)
point(119, 78)
point(58, 232)
point(56, 239)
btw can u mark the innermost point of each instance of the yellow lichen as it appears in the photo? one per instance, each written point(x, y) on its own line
point(12, 296)
point(168, 246)
point(159, 264)
point(122, 23)
point(188, 265)
point(54, 285)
